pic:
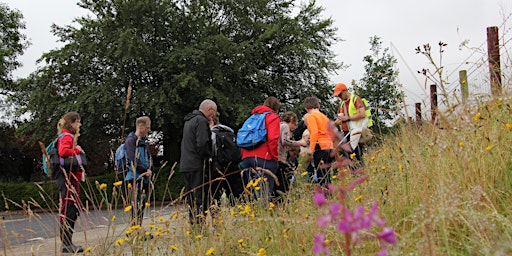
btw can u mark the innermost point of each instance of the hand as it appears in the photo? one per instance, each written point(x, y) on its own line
point(148, 173)
point(303, 144)
point(81, 149)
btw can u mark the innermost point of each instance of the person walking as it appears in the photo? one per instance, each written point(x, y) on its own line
point(68, 179)
point(196, 157)
point(265, 155)
point(350, 110)
point(138, 155)
point(320, 143)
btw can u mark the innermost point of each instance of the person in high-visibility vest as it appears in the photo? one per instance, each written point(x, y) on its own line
point(351, 108)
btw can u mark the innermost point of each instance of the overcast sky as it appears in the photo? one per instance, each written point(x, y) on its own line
point(401, 24)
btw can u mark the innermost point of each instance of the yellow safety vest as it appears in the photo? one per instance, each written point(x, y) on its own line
point(352, 110)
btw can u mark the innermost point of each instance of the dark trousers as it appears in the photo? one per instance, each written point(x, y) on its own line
point(266, 187)
point(357, 151)
point(196, 197)
point(139, 197)
point(226, 179)
point(69, 192)
point(284, 174)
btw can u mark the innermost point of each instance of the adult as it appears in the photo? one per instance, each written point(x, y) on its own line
point(196, 154)
point(226, 157)
point(351, 111)
point(320, 143)
point(285, 171)
point(139, 156)
point(265, 155)
point(68, 180)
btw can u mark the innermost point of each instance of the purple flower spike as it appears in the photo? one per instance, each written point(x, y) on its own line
point(383, 252)
point(319, 199)
point(388, 235)
point(320, 247)
point(323, 221)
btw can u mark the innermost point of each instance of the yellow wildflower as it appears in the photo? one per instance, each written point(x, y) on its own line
point(210, 251)
point(352, 156)
point(189, 233)
point(358, 198)
point(103, 186)
point(113, 218)
point(117, 184)
point(129, 185)
point(161, 219)
point(478, 116)
point(174, 216)
point(334, 177)
point(151, 226)
point(240, 241)
point(400, 168)
point(488, 148)
point(173, 248)
point(199, 236)
point(147, 204)
point(257, 188)
point(461, 144)
point(304, 173)
point(88, 249)
point(249, 184)
point(119, 242)
point(261, 251)
point(509, 126)
point(128, 208)
point(271, 206)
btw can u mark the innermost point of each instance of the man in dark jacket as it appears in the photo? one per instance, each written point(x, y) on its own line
point(196, 153)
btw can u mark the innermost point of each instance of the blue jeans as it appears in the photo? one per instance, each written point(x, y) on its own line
point(267, 187)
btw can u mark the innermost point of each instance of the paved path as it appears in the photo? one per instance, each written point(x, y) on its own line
point(88, 235)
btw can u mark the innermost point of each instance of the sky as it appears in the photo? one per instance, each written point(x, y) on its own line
point(402, 26)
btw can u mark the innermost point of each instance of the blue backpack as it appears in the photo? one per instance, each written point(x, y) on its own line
point(52, 152)
point(120, 158)
point(253, 132)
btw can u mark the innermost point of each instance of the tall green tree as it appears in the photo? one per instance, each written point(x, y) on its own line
point(379, 85)
point(12, 42)
point(175, 53)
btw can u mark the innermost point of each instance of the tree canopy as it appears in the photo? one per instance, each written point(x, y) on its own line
point(379, 84)
point(174, 54)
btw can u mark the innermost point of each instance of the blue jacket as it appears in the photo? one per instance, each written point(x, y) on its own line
point(143, 162)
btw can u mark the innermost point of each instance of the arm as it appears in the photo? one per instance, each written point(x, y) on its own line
point(361, 113)
point(273, 132)
point(65, 144)
point(203, 138)
point(286, 139)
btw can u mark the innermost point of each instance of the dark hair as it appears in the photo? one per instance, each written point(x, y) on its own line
point(311, 102)
point(66, 121)
point(289, 117)
point(273, 103)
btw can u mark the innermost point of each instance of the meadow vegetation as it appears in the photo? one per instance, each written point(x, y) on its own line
point(444, 190)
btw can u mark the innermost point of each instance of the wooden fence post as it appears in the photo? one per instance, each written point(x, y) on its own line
point(433, 102)
point(493, 50)
point(463, 80)
point(418, 113)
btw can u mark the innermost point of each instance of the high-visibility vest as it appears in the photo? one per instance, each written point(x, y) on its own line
point(352, 110)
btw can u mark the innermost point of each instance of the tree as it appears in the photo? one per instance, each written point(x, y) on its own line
point(379, 84)
point(12, 44)
point(175, 53)
point(12, 41)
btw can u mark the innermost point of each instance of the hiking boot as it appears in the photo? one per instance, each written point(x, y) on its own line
point(72, 248)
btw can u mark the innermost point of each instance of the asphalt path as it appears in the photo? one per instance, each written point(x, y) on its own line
point(18, 228)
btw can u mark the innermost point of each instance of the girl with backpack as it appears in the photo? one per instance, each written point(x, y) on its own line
point(68, 180)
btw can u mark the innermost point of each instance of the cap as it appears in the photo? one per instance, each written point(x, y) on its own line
point(339, 88)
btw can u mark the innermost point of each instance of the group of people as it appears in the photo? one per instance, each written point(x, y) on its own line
point(203, 175)
point(269, 161)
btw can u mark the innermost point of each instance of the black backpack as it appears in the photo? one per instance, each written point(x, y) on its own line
point(226, 151)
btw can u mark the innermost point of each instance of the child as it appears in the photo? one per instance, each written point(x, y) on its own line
point(320, 144)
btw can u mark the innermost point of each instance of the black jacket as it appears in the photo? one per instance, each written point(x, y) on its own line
point(196, 145)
